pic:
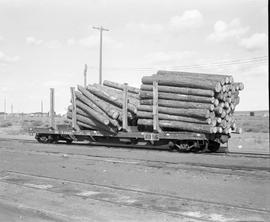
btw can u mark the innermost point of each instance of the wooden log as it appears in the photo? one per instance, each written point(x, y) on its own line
point(223, 124)
point(162, 116)
point(228, 99)
point(197, 113)
point(235, 94)
point(222, 104)
point(218, 110)
point(81, 124)
point(227, 118)
point(232, 107)
point(180, 97)
point(99, 104)
point(183, 82)
point(111, 99)
point(238, 130)
point(216, 102)
point(83, 113)
point(226, 105)
point(222, 78)
point(226, 88)
point(107, 108)
point(238, 85)
point(223, 114)
point(88, 123)
point(120, 86)
point(183, 126)
point(227, 130)
point(218, 120)
point(79, 111)
point(92, 124)
point(229, 94)
point(236, 100)
point(180, 90)
point(232, 89)
point(212, 115)
point(192, 78)
point(221, 96)
point(87, 102)
point(228, 110)
point(94, 114)
point(92, 106)
point(213, 122)
point(178, 104)
point(133, 98)
point(219, 129)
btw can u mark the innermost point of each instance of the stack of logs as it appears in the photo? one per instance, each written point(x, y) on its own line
point(99, 107)
point(195, 102)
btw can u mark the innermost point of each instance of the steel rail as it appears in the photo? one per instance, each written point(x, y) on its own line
point(113, 187)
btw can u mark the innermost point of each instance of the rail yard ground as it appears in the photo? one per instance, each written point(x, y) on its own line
point(59, 182)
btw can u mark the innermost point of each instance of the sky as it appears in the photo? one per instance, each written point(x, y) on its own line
point(45, 43)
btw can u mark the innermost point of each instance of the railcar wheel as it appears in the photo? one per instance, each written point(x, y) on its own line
point(53, 139)
point(42, 138)
point(69, 141)
point(213, 146)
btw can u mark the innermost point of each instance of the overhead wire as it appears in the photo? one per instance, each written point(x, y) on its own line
point(220, 63)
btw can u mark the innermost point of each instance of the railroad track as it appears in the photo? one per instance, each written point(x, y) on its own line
point(240, 154)
point(184, 202)
point(161, 148)
point(214, 168)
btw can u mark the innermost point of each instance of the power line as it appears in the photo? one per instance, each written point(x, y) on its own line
point(221, 63)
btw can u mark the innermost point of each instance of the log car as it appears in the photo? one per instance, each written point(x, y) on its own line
point(179, 141)
point(130, 136)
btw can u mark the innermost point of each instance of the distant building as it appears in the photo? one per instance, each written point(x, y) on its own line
point(37, 114)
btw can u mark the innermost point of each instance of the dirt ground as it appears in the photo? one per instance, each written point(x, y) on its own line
point(40, 182)
point(48, 182)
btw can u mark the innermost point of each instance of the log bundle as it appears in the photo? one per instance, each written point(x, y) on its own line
point(195, 102)
point(99, 107)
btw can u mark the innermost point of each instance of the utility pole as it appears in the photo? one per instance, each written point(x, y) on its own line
point(5, 106)
point(41, 108)
point(11, 108)
point(101, 29)
point(85, 75)
point(52, 112)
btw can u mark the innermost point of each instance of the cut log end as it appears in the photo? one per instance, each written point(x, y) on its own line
point(218, 119)
point(239, 130)
point(219, 129)
point(213, 130)
point(216, 102)
point(218, 88)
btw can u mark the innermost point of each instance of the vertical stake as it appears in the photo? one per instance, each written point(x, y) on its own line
point(74, 109)
point(124, 108)
point(85, 75)
point(52, 112)
point(155, 107)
